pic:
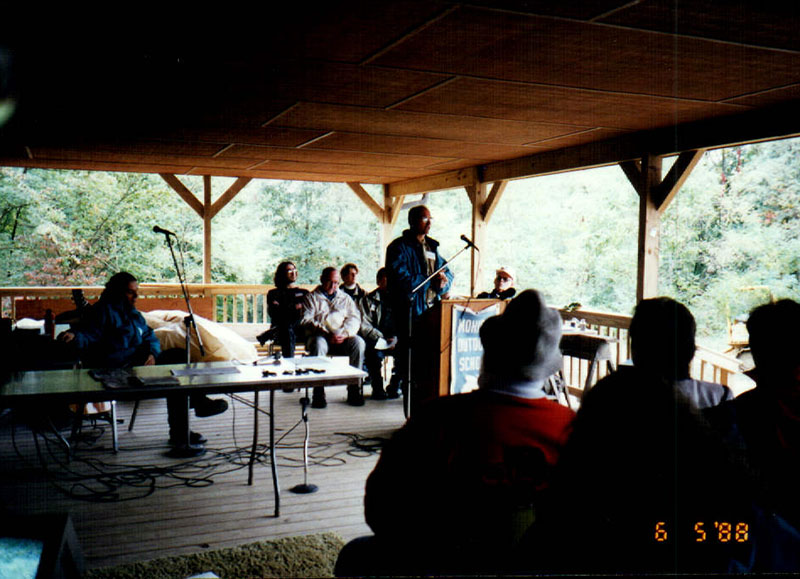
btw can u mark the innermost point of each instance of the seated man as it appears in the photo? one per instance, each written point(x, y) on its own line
point(331, 321)
point(458, 484)
point(764, 423)
point(115, 335)
point(503, 285)
point(349, 274)
point(378, 331)
point(662, 336)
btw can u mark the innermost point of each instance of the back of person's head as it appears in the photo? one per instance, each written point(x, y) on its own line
point(382, 273)
point(117, 285)
point(415, 213)
point(774, 339)
point(521, 344)
point(281, 277)
point(662, 337)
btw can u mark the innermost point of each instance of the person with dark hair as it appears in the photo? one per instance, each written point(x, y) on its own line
point(115, 335)
point(488, 454)
point(764, 423)
point(349, 275)
point(285, 308)
point(380, 336)
point(504, 289)
point(331, 320)
point(662, 336)
point(643, 475)
point(410, 259)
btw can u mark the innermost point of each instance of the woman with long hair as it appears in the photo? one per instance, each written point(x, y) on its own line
point(285, 308)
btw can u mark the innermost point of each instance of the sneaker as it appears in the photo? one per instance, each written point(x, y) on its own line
point(205, 407)
point(392, 393)
point(195, 438)
point(354, 396)
point(318, 398)
point(378, 394)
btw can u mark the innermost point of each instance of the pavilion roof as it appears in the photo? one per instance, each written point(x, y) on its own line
point(410, 93)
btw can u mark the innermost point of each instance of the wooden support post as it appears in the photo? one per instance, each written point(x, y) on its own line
point(478, 194)
point(391, 211)
point(655, 195)
point(207, 228)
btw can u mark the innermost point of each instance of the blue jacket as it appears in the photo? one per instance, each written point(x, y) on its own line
point(115, 335)
point(407, 269)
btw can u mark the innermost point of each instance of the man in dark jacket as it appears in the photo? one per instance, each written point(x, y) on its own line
point(378, 331)
point(116, 335)
point(410, 259)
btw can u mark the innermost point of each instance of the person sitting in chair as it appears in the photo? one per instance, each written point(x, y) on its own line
point(115, 335)
point(503, 285)
point(490, 452)
point(331, 321)
point(285, 308)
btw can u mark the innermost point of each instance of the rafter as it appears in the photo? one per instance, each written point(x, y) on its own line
point(184, 193)
point(367, 199)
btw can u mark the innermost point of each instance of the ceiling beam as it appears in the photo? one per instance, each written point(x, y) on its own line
point(228, 196)
point(749, 127)
point(449, 180)
point(493, 199)
point(674, 180)
point(367, 199)
point(184, 193)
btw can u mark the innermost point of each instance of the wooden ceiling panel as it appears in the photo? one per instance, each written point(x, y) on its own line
point(771, 97)
point(506, 46)
point(409, 124)
point(580, 138)
point(351, 31)
point(307, 176)
point(415, 146)
point(336, 169)
point(128, 157)
point(269, 136)
point(584, 10)
point(347, 84)
point(312, 155)
point(538, 103)
point(139, 147)
point(767, 24)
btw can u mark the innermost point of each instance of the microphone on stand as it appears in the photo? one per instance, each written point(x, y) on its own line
point(157, 229)
point(469, 243)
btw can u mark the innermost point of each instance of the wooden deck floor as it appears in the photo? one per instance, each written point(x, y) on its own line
point(184, 514)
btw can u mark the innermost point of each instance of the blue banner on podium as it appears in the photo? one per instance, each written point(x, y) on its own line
point(466, 350)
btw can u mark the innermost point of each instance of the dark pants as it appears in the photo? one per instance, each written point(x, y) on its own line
point(177, 406)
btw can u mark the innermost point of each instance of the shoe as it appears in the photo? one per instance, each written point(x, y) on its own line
point(392, 393)
point(379, 394)
point(354, 396)
point(318, 398)
point(205, 407)
point(195, 439)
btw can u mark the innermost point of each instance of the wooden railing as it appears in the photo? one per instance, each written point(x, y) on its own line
point(246, 304)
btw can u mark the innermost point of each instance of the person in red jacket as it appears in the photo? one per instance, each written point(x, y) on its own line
point(458, 484)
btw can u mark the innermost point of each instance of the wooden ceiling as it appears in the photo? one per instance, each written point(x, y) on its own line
point(392, 92)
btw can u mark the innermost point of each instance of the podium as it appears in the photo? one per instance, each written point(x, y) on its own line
point(432, 348)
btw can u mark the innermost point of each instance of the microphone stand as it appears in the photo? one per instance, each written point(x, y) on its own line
point(407, 397)
point(187, 450)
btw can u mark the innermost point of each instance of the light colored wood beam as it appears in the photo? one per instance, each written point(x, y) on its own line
point(449, 180)
point(367, 199)
point(391, 212)
point(633, 171)
point(184, 193)
point(493, 199)
point(228, 196)
point(666, 190)
point(478, 194)
point(207, 229)
point(649, 230)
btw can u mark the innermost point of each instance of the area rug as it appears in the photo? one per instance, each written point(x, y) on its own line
point(306, 556)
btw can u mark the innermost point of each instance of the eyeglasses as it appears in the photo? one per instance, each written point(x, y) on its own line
point(426, 219)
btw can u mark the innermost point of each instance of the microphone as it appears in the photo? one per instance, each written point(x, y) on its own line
point(469, 243)
point(157, 229)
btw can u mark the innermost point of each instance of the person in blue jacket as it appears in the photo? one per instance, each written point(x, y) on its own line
point(116, 335)
point(410, 259)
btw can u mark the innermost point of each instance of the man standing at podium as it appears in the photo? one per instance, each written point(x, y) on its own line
point(410, 259)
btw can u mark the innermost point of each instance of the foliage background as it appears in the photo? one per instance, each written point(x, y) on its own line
point(734, 225)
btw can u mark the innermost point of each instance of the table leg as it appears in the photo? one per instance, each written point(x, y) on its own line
point(255, 441)
point(272, 456)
